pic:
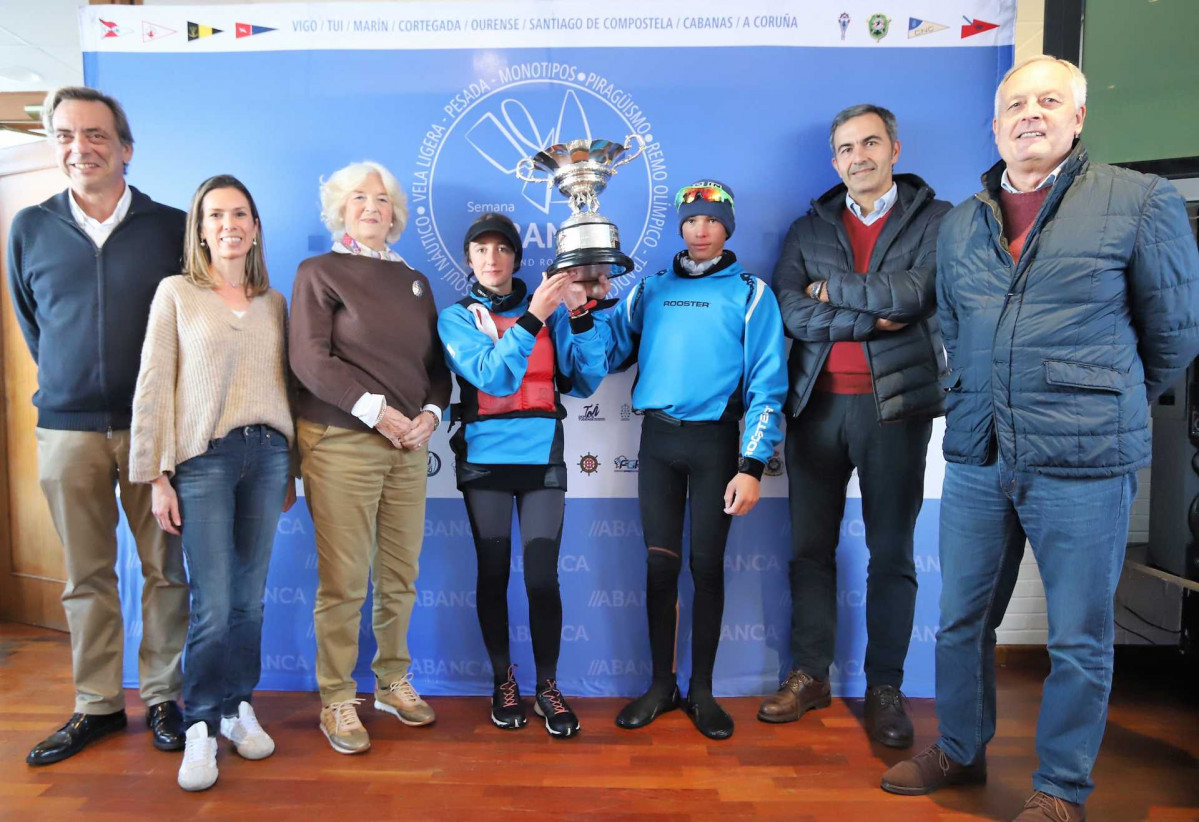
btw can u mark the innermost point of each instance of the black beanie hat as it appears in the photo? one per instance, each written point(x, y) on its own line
point(493, 222)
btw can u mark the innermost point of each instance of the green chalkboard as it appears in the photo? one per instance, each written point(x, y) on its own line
point(1141, 58)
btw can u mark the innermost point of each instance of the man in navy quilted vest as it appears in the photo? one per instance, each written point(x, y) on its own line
point(1068, 295)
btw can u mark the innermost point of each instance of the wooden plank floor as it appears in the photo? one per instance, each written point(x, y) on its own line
point(821, 768)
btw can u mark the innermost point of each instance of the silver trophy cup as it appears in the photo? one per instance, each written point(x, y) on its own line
point(586, 241)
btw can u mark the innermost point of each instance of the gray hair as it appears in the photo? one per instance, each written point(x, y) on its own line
point(56, 98)
point(847, 114)
point(1078, 80)
point(343, 182)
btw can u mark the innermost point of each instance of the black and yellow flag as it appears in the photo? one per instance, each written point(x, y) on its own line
point(195, 31)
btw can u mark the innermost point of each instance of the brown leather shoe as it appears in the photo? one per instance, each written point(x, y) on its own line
point(1044, 807)
point(799, 694)
point(929, 770)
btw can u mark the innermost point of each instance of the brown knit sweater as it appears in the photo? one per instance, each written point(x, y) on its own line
point(362, 325)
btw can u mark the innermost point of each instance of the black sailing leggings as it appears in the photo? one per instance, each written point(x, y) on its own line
point(540, 515)
point(677, 462)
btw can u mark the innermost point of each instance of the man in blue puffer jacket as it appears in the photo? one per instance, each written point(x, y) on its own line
point(1068, 293)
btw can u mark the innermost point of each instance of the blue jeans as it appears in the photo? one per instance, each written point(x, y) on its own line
point(230, 498)
point(1078, 529)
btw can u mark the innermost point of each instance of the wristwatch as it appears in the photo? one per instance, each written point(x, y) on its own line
point(436, 420)
point(817, 287)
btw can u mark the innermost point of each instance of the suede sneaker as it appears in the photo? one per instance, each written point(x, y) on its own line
point(247, 736)
point(560, 720)
point(198, 771)
point(342, 727)
point(507, 710)
point(931, 769)
point(1044, 807)
point(402, 701)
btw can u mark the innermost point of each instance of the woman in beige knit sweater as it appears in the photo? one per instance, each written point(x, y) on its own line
point(212, 431)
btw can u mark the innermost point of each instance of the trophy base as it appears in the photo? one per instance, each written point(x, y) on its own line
point(594, 262)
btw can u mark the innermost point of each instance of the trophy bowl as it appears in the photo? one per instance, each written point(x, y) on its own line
point(586, 242)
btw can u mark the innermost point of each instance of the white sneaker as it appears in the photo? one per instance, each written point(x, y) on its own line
point(247, 736)
point(198, 771)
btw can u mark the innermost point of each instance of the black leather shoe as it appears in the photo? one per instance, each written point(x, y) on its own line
point(71, 738)
point(887, 719)
point(711, 719)
point(643, 710)
point(166, 726)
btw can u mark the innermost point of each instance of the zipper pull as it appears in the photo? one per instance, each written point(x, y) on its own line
point(108, 433)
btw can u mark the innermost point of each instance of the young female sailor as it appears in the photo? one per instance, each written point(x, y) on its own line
point(513, 354)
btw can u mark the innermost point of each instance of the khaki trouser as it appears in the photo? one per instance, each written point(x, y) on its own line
point(78, 471)
point(367, 500)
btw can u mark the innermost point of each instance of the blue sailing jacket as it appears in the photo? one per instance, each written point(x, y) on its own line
point(707, 348)
point(498, 367)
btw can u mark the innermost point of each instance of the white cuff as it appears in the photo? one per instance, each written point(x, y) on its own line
point(434, 410)
point(368, 408)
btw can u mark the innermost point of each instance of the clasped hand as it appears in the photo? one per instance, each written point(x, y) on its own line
point(403, 432)
point(564, 287)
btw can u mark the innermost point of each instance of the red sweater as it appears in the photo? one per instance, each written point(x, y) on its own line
point(846, 370)
point(1019, 213)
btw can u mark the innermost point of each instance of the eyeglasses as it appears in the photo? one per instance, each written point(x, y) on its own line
point(709, 192)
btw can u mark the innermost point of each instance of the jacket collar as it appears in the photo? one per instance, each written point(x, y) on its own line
point(500, 302)
point(910, 188)
point(1075, 161)
point(728, 265)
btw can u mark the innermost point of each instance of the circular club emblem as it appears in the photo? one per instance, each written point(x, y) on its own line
point(589, 463)
point(417, 288)
point(774, 466)
point(466, 164)
point(434, 464)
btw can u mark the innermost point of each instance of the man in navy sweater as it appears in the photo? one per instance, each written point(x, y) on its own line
point(82, 268)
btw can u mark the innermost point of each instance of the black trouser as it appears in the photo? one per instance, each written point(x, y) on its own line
point(540, 515)
point(677, 462)
point(834, 434)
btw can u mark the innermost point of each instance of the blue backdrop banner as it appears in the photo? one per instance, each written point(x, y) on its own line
point(450, 96)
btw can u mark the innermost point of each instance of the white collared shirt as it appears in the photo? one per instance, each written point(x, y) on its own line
point(1006, 184)
point(99, 230)
point(881, 206)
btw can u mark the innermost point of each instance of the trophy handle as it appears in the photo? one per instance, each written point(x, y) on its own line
point(524, 172)
point(628, 143)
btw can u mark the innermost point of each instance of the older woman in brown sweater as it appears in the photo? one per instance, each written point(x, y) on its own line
point(364, 347)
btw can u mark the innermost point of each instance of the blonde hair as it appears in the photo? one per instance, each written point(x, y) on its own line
point(196, 256)
point(345, 181)
point(1078, 80)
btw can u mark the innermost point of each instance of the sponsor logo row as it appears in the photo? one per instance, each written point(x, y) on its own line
point(590, 464)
